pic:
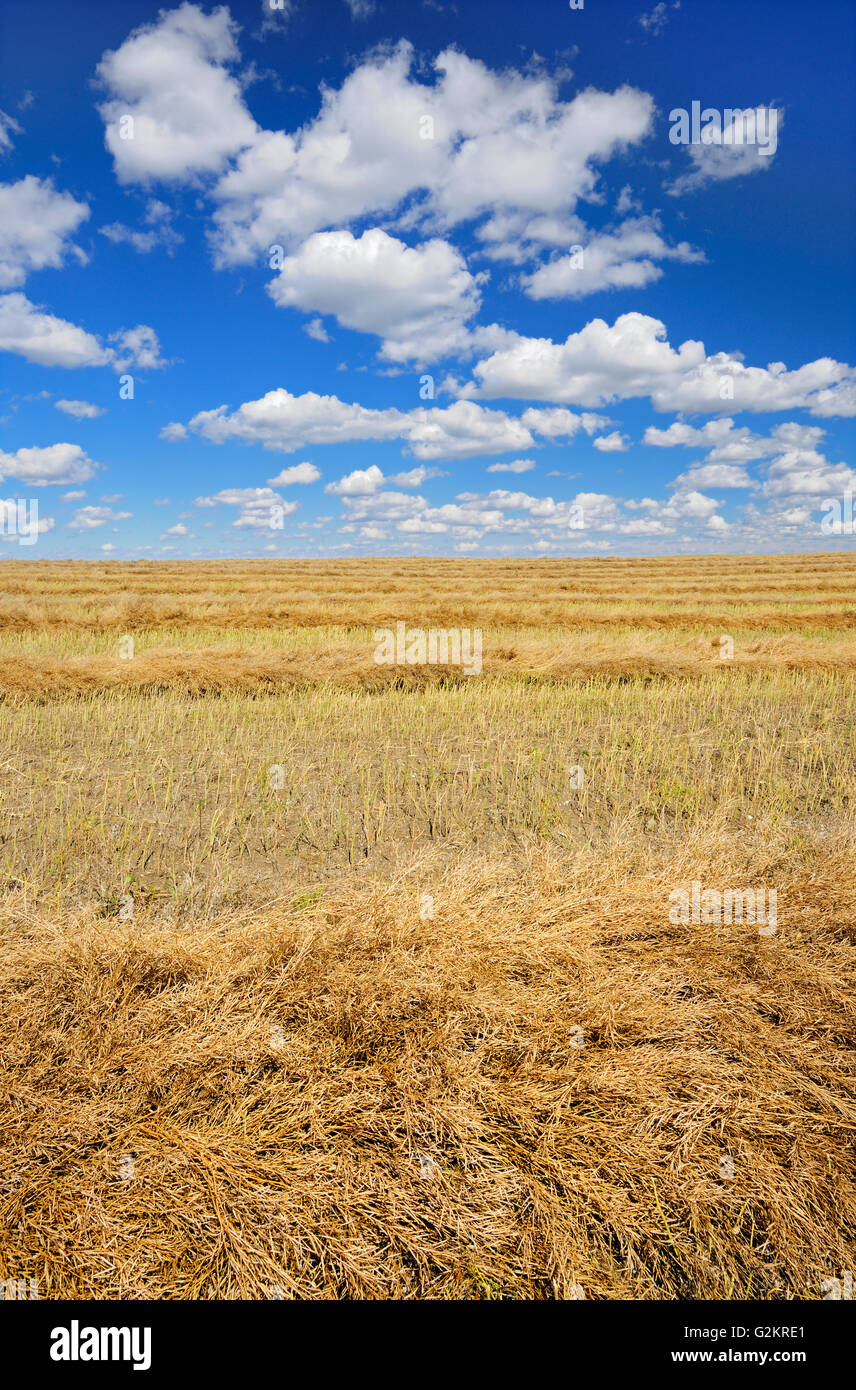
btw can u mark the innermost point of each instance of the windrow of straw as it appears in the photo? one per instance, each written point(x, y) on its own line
point(545, 1089)
point(199, 672)
point(765, 593)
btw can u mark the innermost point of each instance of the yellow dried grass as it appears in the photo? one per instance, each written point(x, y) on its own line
point(446, 1048)
point(353, 665)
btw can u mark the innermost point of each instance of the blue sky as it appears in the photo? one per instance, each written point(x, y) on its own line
point(354, 278)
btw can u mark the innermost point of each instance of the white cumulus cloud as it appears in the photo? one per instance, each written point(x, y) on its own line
point(172, 79)
point(88, 518)
point(44, 466)
point(36, 222)
point(416, 299)
point(632, 357)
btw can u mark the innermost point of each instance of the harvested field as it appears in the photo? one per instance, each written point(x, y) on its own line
point(329, 980)
point(784, 594)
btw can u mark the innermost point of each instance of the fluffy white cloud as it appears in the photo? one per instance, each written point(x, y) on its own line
point(259, 508)
point(375, 513)
point(690, 504)
point(473, 515)
point(300, 473)
point(614, 443)
point(137, 347)
point(315, 329)
point(363, 481)
point(464, 430)
point(496, 140)
point(662, 518)
point(174, 431)
point(358, 483)
point(711, 433)
point(472, 143)
point(49, 341)
point(714, 475)
point(797, 466)
point(36, 221)
point(158, 230)
point(416, 299)
point(599, 364)
point(88, 518)
point(415, 477)
point(45, 339)
point(557, 423)
point(80, 410)
point(623, 259)
point(516, 466)
point(171, 80)
point(603, 363)
point(645, 526)
point(807, 473)
point(520, 236)
point(56, 463)
point(281, 421)
point(732, 444)
point(284, 422)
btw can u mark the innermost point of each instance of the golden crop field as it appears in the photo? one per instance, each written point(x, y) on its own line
point(324, 978)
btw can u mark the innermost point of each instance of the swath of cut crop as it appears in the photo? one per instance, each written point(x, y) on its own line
point(528, 1095)
point(258, 671)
